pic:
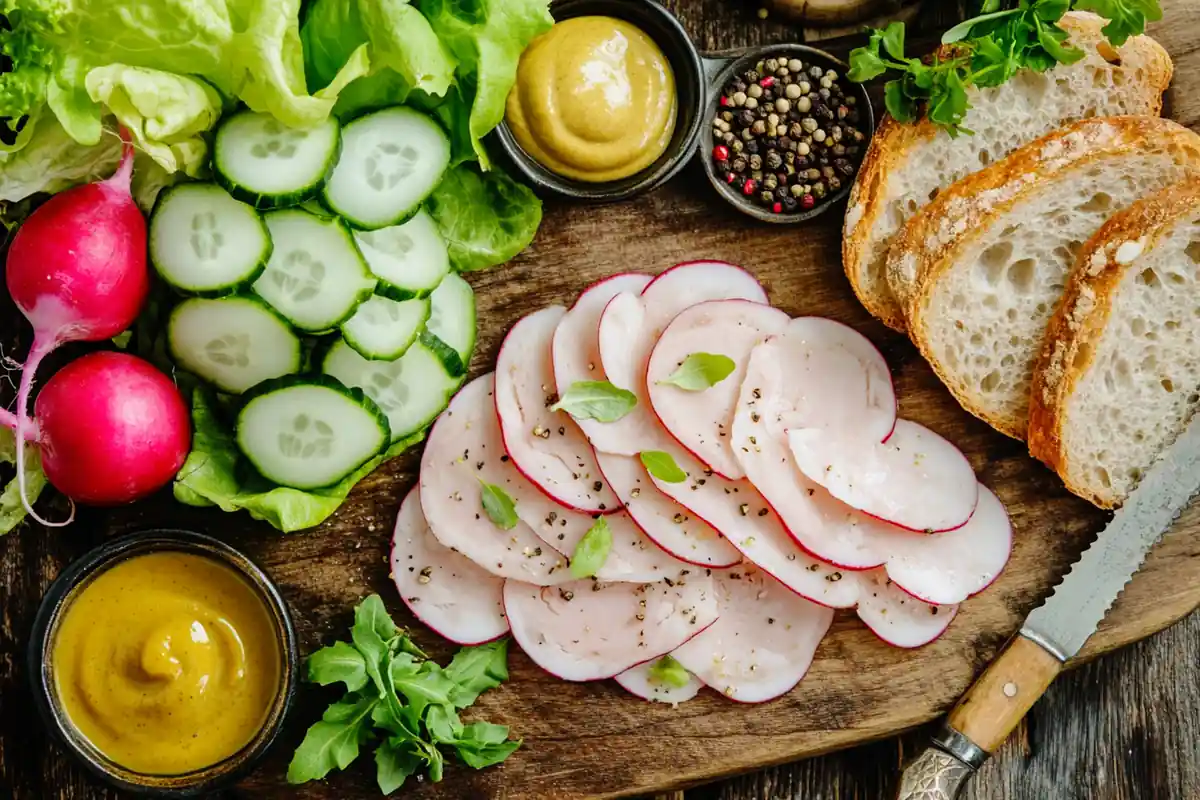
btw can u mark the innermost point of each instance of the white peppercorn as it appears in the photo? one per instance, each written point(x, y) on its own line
point(818, 135)
point(805, 87)
point(739, 98)
point(783, 105)
point(809, 124)
point(803, 149)
point(804, 105)
point(754, 90)
point(795, 65)
point(827, 82)
point(751, 103)
point(792, 91)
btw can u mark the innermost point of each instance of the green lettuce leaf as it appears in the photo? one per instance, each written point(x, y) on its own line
point(12, 511)
point(215, 473)
point(487, 38)
point(485, 218)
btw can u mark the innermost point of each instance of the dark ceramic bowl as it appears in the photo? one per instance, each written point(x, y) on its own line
point(669, 35)
point(41, 667)
point(723, 70)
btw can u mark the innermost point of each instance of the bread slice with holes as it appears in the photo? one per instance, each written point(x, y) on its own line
point(907, 164)
point(982, 268)
point(1119, 371)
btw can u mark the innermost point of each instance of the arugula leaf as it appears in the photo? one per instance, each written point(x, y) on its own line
point(670, 672)
point(893, 40)
point(394, 765)
point(592, 550)
point(443, 724)
point(865, 62)
point(338, 663)
point(1051, 39)
point(963, 29)
point(700, 371)
point(598, 400)
point(902, 107)
point(949, 106)
point(333, 742)
point(476, 669)
point(477, 753)
point(1126, 17)
point(499, 507)
point(662, 466)
point(426, 686)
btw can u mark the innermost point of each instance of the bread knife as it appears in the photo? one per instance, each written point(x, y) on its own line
point(1055, 631)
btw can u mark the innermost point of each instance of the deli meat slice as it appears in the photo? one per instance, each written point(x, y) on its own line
point(586, 630)
point(669, 525)
point(916, 479)
point(763, 640)
point(576, 348)
point(744, 518)
point(640, 683)
point(444, 589)
point(819, 374)
point(701, 420)
point(630, 326)
point(546, 446)
point(897, 617)
point(465, 448)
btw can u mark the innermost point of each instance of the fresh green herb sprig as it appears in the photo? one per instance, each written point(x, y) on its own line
point(409, 704)
point(986, 50)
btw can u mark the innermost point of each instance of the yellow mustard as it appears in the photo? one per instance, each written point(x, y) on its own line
point(167, 662)
point(594, 100)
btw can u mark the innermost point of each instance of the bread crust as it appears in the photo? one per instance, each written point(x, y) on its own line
point(893, 141)
point(1079, 322)
point(932, 242)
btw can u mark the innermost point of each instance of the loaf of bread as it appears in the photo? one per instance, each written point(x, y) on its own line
point(906, 165)
point(982, 268)
point(1119, 372)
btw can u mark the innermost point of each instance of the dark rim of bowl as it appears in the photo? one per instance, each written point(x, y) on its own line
point(659, 24)
point(74, 578)
point(738, 65)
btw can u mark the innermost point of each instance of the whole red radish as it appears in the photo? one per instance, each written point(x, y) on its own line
point(77, 270)
point(113, 428)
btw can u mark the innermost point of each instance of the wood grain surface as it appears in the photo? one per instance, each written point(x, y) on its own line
point(592, 740)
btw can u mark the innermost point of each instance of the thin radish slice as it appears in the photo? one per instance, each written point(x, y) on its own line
point(639, 682)
point(666, 523)
point(465, 448)
point(762, 643)
point(546, 446)
point(744, 518)
point(916, 480)
point(897, 617)
point(949, 567)
point(576, 349)
point(701, 420)
point(445, 590)
point(828, 529)
point(631, 324)
point(588, 631)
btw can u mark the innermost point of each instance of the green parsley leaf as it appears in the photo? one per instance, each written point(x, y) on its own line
point(902, 107)
point(963, 29)
point(866, 64)
point(598, 400)
point(333, 742)
point(949, 107)
point(394, 765)
point(1126, 17)
point(893, 40)
point(476, 669)
point(592, 550)
point(338, 662)
point(670, 672)
point(700, 371)
point(499, 507)
point(662, 466)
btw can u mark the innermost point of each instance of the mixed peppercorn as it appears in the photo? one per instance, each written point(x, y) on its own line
point(786, 135)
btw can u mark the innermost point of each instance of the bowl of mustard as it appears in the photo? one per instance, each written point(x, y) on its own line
point(165, 661)
point(608, 103)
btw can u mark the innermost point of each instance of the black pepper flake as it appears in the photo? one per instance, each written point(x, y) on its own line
point(762, 512)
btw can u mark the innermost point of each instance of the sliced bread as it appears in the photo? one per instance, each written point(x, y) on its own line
point(982, 267)
point(907, 164)
point(1119, 372)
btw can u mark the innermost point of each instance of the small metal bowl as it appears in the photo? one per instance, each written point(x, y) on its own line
point(740, 62)
point(41, 667)
point(661, 26)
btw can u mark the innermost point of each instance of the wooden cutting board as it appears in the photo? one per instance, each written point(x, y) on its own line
point(594, 741)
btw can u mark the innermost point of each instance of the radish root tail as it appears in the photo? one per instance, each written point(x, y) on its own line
point(123, 177)
point(37, 352)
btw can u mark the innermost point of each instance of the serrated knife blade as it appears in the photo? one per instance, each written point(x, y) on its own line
point(1056, 630)
point(1074, 609)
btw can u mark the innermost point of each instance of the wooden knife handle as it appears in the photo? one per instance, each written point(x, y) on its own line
point(981, 721)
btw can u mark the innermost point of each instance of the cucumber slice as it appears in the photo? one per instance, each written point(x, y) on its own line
point(204, 242)
point(269, 165)
point(412, 390)
point(409, 260)
point(232, 342)
point(391, 160)
point(315, 277)
point(450, 330)
point(382, 329)
point(309, 432)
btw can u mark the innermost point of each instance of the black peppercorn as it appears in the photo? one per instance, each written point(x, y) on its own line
point(745, 118)
point(739, 164)
point(803, 162)
point(823, 111)
point(790, 204)
point(773, 160)
point(782, 193)
point(786, 144)
point(771, 143)
point(751, 146)
point(835, 183)
point(823, 93)
point(756, 162)
point(738, 86)
point(751, 76)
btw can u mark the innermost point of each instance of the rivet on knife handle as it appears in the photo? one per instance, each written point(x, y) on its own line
point(982, 720)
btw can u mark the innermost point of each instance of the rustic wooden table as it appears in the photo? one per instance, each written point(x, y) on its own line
point(1124, 727)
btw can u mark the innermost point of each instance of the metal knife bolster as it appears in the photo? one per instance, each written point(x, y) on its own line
point(1055, 631)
